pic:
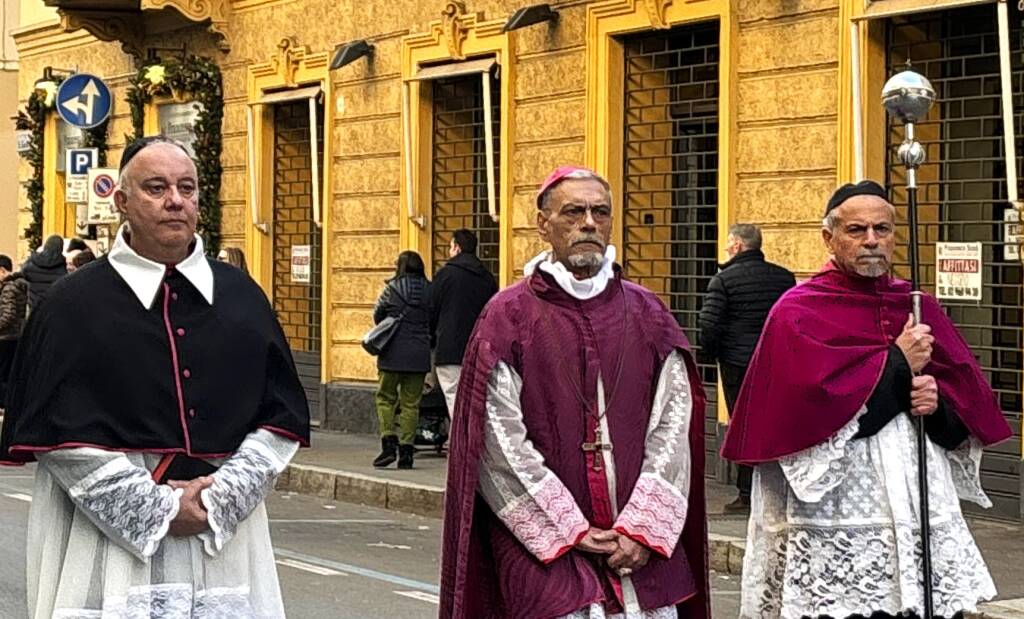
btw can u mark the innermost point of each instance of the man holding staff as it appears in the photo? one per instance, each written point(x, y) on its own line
point(826, 416)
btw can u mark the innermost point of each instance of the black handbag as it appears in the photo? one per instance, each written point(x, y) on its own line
point(377, 338)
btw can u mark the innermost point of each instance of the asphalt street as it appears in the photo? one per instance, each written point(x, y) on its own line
point(335, 560)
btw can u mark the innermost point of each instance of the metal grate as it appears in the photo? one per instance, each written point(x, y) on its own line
point(460, 168)
point(671, 178)
point(962, 196)
point(297, 304)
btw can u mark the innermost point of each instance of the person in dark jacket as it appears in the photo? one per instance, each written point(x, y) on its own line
point(13, 309)
point(43, 268)
point(405, 361)
point(458, 294)
point(734, 312)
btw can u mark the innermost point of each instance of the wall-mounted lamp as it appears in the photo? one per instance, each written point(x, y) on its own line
point(347, 53)
point(530, 15)
point(153, 56)
point(47, 83)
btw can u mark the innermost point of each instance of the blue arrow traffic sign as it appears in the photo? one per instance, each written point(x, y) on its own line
point(83, 100)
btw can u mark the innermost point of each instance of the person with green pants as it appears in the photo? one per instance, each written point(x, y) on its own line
point(405, 361)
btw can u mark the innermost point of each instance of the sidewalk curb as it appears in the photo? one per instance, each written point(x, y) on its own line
point(349, 487)
point(725, 553)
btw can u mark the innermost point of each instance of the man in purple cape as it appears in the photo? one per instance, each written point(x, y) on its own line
point(825, 416)
point(575, 484)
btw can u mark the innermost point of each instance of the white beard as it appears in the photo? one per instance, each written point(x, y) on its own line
point(591, 261)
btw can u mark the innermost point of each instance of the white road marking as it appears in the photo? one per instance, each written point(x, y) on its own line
point(329, 521)
point(355, 570)
point(389, 546)
point(307, 567)
point(423, 596)
point(18, 496)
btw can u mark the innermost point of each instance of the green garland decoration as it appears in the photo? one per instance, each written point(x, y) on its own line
point(201, 78)
point(33, 118)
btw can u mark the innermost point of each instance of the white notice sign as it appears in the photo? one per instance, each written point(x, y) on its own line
point(958, 271)
point(301, 255)
point(102, 182)
point(1011, 234)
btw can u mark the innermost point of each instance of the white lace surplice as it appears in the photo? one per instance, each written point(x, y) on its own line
point(834, 530)
point(541, 512)
point(98, 539)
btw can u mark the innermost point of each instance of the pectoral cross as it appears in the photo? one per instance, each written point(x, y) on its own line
point(597, 447)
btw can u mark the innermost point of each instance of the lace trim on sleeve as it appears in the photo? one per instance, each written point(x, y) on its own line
point(242, 483)
point(515, 482)
point(546, 520)
point(655, 514)
point(125, 504)
point(816, 470)
point(965, 468)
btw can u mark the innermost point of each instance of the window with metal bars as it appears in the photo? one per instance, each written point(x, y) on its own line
point(459, 168)
point(297, 302)
point(670, 178)
point(962, 197)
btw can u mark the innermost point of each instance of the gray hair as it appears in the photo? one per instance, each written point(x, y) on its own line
point(545, 199)
point(748, 234)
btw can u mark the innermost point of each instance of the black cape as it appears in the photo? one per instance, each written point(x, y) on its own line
point(97, 369)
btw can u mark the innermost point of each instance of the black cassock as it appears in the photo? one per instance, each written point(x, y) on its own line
point(95, 368)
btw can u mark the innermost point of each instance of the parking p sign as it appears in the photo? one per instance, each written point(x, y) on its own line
point(102, 182)
point(77, 164)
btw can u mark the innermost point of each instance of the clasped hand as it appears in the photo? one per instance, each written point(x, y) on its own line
point(624, 555)
point(916, 343)
point(192, 516)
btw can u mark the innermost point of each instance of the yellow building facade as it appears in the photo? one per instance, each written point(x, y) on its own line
point(701, 113)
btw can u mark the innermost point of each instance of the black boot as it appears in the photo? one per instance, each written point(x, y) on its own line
point(388, 451)
point(405, 453)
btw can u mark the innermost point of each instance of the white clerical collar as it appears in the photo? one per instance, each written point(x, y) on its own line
point(581, 289)
point(144, 276)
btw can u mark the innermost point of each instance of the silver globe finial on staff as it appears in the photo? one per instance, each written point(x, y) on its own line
point(908, 96)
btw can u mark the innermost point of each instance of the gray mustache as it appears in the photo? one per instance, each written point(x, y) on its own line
point(589, 239)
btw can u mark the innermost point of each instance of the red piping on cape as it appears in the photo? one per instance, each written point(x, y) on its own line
point(177, 371)
point(74, 444)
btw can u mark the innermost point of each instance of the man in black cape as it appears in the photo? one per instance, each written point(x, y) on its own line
point(157, 392)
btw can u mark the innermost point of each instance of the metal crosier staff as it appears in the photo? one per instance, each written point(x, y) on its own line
point(908, 96)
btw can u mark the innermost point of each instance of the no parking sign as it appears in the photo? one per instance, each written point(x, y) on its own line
point(102, 182)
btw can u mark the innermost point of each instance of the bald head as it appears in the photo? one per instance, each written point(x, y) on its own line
point(158, 193)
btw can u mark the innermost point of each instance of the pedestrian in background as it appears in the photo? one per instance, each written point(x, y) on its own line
point(74, 247)
point(736, 306)
point(13, 309)
point(458, 294)
point(83, 258)
point(403, 364)
point(233, 256)
point(43, 268)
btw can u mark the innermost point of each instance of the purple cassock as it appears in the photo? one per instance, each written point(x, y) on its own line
point(559, 345)
point(821, 355)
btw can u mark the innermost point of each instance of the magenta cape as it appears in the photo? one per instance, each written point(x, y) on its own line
point(548, 338)
point(821, 354)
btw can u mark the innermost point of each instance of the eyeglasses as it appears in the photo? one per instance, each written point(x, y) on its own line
point(578, 212)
